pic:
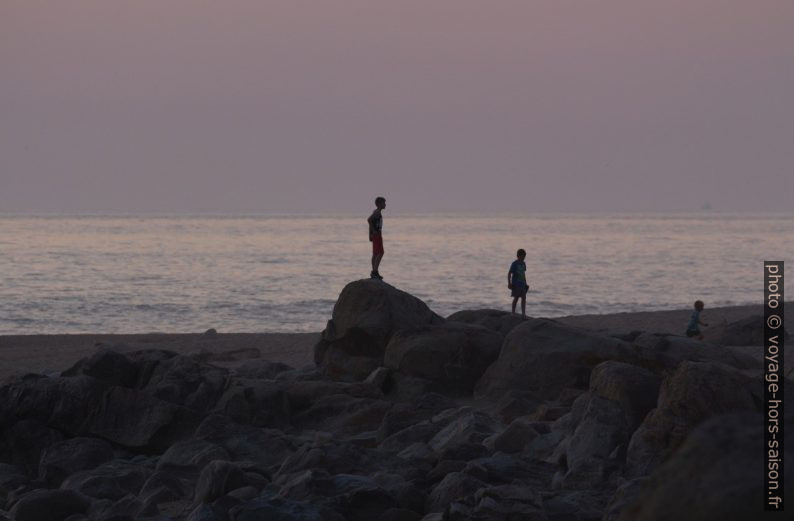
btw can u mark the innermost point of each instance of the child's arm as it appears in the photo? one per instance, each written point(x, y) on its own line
point(702, 323)
point(509, 281)
point(371, 225)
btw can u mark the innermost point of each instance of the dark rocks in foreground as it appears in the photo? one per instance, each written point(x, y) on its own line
point(407, 417)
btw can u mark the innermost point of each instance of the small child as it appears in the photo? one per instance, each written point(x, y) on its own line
point(517, 282)
point(375, 236)
point(693, 329)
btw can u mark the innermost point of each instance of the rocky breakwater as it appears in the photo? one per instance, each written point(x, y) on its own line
point(406, 416)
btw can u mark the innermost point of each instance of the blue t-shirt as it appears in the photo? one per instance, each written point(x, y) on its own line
point(693, 322)
point(519, 270)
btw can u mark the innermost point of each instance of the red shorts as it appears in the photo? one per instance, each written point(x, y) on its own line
point(377, 244)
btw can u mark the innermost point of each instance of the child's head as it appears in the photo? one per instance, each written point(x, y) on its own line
point(699, 305)
point(521, 254)
point(380, 203)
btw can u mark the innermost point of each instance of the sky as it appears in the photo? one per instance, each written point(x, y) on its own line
point(259, 106)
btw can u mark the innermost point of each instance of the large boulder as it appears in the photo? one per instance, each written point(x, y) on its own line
point(634, 388)
point(64, 458)
point(84, 406)
point(545, 357)
point(746, 332)
point(501, 322)
point(112, 480)
point(49, 505)
point(452, 355)
point(499, 503)
point(662, 352)
point(597, 446)
point(695, 392)
point(107, 366)
point(366, 315)
point(717, 474)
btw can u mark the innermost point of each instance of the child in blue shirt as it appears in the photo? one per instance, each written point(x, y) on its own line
point(517, 282)
point(693, 329)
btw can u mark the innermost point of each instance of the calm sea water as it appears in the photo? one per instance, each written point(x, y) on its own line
point(135, 274)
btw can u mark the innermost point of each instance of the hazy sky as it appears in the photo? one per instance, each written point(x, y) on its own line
point(455, 105)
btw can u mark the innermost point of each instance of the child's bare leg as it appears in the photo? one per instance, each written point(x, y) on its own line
point(515, 299)
point(524, 307)
point(376, 261)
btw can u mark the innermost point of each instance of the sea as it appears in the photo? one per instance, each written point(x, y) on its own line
point(283, 273)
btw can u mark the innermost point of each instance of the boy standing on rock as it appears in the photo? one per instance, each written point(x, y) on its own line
point(693, 329)
point(517, 282)
point(375, 236)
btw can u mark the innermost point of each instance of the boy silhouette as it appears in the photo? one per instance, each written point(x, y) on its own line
point(517, 281)
point(693, 328)
point(375, 236)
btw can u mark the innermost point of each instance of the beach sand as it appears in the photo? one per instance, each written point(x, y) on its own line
point(54, 353)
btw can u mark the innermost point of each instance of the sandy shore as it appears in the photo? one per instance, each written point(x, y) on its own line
point(51, 353)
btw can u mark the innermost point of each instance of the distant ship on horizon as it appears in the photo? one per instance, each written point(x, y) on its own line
point(706, 206)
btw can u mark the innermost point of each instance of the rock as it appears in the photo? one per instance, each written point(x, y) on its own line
point(261, 369)
point(577, 504)
point(261, 403)
point(365, 316)
point(162, 487)
point(469, 427)
point(693, 393)
point(409, 493)
point(65, 458)
point(723, 471)
point(191, 456)
point(627, 493)
point(399, 514)
point(205, 512)
point(107, 366)
point(211, 332)
point(146, 360)
point(49, 505)
point(302, 395)
point(514, 404)
point(378, 377)
point(544, 357)
point(84, 406)
point(128, 508)
point(500, 322)
point(353, 496)
point(597, 446)
point(634, 388)
point(23, 441)
point(464, 452)
point(11, 478)
point(746, 332)
point(504, 469)
point(337, 458)
point(515, 437)
point(443, 468)
point(216, 479)
point(417, 451)
point(343, 415)
point(279, 509)
point(404, 415)
point(264, 447)
point(245, 493)
point(662, 353)
point(183, 381)
point(421, 432)
point(499, 503)
point(454, 486)
point(453, 355)
point(112, 480)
